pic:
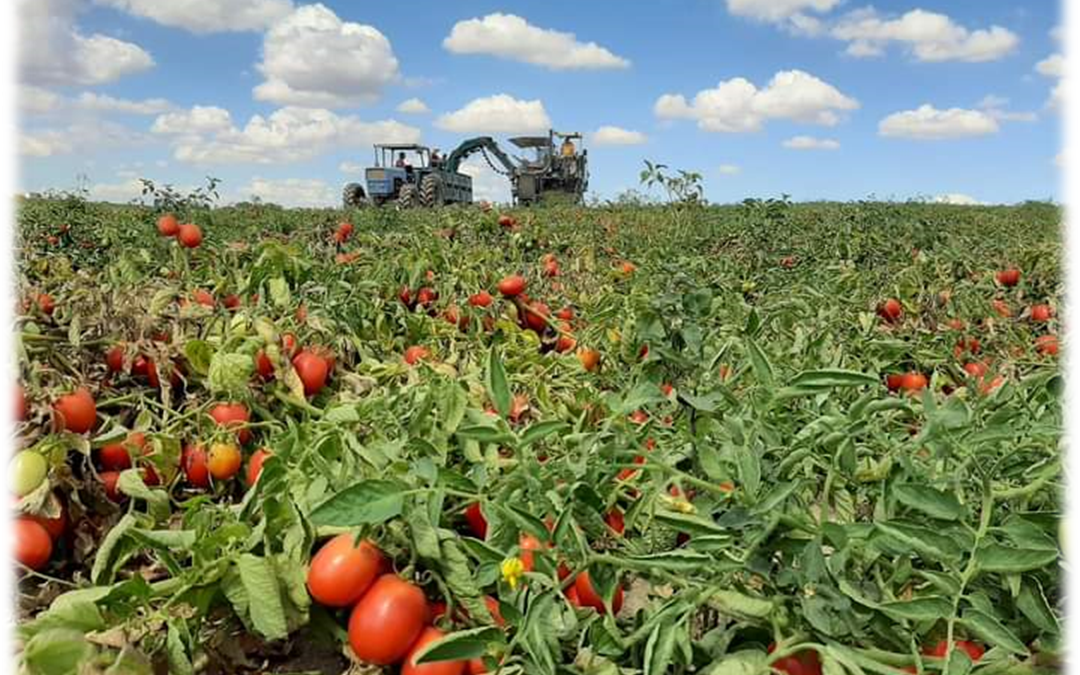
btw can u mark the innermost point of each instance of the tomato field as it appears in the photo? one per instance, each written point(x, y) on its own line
point(812, 439)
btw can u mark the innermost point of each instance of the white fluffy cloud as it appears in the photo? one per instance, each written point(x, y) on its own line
point(994, 106)
point(413, 106)
point(1051, 66)
point(609, 135)
point(737, 106)
point(104, 103)
point(81, 136)
point(793, 14)
point(207, 16)
point(729, 169)
point(313, 58)
point(52, 50)
point(811, 143)
point(499, 114)
point(1063, 98)
point(121, 192)
point(207, 135)
point(351, 167)
point(291, 192)
point(927, 123)
point(958, 199)
point(1064, 34)
point(930, 36)
point(37, 100)
point(512, 37)
point(487, 185)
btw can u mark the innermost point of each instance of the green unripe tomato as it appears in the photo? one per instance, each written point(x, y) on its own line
point(1067, 536)
point(26, 472)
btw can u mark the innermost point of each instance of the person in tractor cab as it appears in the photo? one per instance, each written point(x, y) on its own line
point(436, 158)
point(401, 162)
point(568, 149)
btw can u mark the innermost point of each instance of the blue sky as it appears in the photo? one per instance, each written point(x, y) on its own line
point(291, 96)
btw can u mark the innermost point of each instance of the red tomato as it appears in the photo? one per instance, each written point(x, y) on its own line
point(168, 226)
point(974, 650)
point(572, 595)
point(536, 316)
point(33, 546)
point(507, 221)
point(588, 596)
point(415, 354)
point(913, 382)
point(1041, 313)
point(340, 572)
point(1009, 277)
point(511, 285)
point(528, 545)
point(477, 523)
point(313, 371)
point(14, 405)
point(110, 479)
point(628, 473)
point(76, 412)
point(477, 667)
point(975, 369)
point(890, 310)
point(1002, 308)
point(405, 296)
point(429, 635)
point(46, 303)
point(233, 415)
point(193, 462)
point(1047, 345)
point(115, 457)
point(289, 344)
point(493, 609)
point(425, 296)
point(203, 297)
point(255, 464)
point(894, 381)
point(481, 299)
point(806, 662)
point(189, 235)
point(615, 520)
point(264, 366)
point(231, 301)
point(386, 621)
point(114, 359)
point(54, 526)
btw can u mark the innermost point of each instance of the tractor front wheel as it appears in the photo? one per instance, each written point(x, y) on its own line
point(353, 196)
point(407, 196)
point(431, 192)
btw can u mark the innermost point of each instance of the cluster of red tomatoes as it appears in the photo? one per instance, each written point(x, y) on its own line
point(188, 235)
point(390, 619)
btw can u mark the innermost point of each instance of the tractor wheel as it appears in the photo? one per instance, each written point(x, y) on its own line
point(353, 196)
point(431, 192)
point(407, 196)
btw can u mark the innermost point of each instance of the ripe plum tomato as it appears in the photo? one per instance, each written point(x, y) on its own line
point(386, 621)
point(588, 597)
point(33, 546)
point(429, 635)
point(340, 573)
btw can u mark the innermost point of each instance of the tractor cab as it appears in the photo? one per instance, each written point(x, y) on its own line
point(558, 166)
point(396, 164)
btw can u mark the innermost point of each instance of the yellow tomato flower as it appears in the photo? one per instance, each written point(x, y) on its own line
point(512, 571)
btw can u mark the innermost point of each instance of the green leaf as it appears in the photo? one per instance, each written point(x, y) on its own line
point(763, 370)
point(1033, 604)
point(461, 645)
point(928, 544)
point(368, 502)
point(485, 434)
point(1009, 560)
point(919, 609)
point(175, 652)
point(659, 649)
point(497, 387)
point(541, 430)
point(230, 373)
point(59, 651)
point(745, 662)
point(279, 292)
point(831, 377)
point(679, 560)
point(198, 354)
point(425, 538)
point(934, 503)
point(267, 613)
point(740, 605)
point(131, 484)
point(102, 570)
point(992, 631)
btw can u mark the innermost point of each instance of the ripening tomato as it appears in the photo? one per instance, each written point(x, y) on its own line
point(386, 621)
point(588, 596)
point(528, 545)
point(14, 405)
point(894, 381)
point(666, 389)
point(115, 457)
point(566, 342)
point(168, 226)
point(33, 546)
point(344, 231)
point(264, 366)
point(46, 304)
point(193, 462)
point(54, 526)
point(955, 324)
point(76, 412)
point(290, 344)
point(806, 662)
point(475, 518)
point(589, 358)
point(507, 221)
point(565, 314)
point(627, 267)
point(223, 460)
point(1001, 308)
point(967, 344)
point(255, 465)
point(26, 471)
point(231, 301)
point(235, 416)
point(405, 296)
point(615, 520)
point(481, 299)
point(425, 296)
point(536, 316)
point(974, 650)
point(427, 636)
point(1009, 277)
point(203, 297)
point(493, 609)
point(639, 417)
point(1041, 313)
point(890, 310)
point(340, 572)
point(415, 354)
point(913, 382)
point(114, 359)
point(975, 369)
point(312, 370)
point(111, 479)
point(476, 667)
point(1047, 345)
point(512, 285)
point(189, 235)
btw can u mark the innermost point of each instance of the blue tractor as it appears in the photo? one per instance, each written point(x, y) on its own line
point(408, 175)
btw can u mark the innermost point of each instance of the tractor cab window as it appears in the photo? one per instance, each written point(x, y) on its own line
point(568, 149)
